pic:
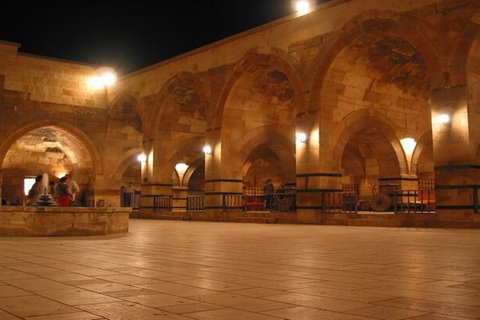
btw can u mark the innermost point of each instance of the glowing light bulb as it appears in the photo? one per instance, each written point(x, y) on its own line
point(302, 6)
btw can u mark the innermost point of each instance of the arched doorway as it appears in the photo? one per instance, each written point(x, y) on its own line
point(49, 149)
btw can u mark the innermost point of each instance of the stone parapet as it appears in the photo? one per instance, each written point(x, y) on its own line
point(62, 221)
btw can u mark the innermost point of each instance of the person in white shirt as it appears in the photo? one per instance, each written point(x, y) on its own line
point(73, 186)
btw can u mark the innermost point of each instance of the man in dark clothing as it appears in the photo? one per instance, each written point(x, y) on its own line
point(268, 190)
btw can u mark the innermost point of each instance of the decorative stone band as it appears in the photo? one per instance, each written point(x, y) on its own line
point(157, 185)
point(457, 187)
point(318, 190)
point(223, 180)
point(319, 174)
point(310, 183)
point(397, 179)
point(457, 167)
point(221, 193)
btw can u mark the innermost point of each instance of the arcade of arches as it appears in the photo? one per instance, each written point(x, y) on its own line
point(354, 77)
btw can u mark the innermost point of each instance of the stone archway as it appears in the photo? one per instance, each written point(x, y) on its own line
point(373, 92)
point(389, 47)
point(180, 117)
point(262, 93)
point(423, 161)
point(267, 153)
point(48, 147)
point(369, 149)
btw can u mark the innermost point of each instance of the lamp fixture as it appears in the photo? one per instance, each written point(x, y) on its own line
point(302, 6)
point(408, 144)
point(104, 78)
point(207, 149)
point(444, 118)
point(142, 157)
point(301, 137)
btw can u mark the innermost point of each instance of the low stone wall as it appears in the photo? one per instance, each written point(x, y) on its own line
point(368, 219)
point(63, 221)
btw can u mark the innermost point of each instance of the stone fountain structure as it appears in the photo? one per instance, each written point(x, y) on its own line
point(46, 218)
point(46, 199)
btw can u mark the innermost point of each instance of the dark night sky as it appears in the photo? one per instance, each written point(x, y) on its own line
point(129, 35)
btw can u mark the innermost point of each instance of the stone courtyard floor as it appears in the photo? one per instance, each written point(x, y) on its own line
point(208, 270)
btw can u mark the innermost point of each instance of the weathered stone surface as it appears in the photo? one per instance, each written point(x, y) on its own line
point(62, 221)
point(356, 77)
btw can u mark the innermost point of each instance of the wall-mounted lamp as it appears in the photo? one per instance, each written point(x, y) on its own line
point(408, 145)
point(301, 137)
point(302, 6)
point(105, 78)
point(444, 118)
point(207, 149)
point(142, 157)
point(181, 169)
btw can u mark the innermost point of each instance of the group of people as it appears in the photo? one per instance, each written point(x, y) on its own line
point(269, 191)
point(127, 195)
point(63, 193)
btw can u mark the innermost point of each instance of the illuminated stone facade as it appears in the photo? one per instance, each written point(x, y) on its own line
point(356, 76)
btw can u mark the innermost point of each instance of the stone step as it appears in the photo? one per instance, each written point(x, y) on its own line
point(393, 223)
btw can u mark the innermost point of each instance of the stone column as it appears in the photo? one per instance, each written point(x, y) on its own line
point(180, 195)
point(222, 177)
point(315, 175)
point(1, 185)
point(156, 185)
point(456, 166)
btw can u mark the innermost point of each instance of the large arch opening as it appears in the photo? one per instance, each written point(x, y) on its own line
point(124, 134)
point(262, 97)
point(180, 131)
point(378, 89)
point(52, 150)
point(368, 157)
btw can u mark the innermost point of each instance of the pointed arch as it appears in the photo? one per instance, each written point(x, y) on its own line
point(74, 131)
point(129, 158)
point(424, 142)
point(365, 118)
point(275, 60)
point(390, 24)
point(173, 86)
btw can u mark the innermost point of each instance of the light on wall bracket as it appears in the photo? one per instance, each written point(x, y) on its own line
point(444, 118)
point(142, 157)
point(301, 137)
point(207, 149)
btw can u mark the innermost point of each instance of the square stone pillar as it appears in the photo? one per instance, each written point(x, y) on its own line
point(222, 177)
point(314, 177)
point(457, 172)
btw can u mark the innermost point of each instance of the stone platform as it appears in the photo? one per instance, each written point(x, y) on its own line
point(362, 218)
point(62, 221)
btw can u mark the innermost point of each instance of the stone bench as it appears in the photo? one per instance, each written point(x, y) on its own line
point(63, 221)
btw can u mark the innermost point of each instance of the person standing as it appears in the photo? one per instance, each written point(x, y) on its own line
point(122, 196)
point(128, 195)
point(52, 189)
point(64, 195)
point(36, 191)
point(73, 186)
point(268, 190)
